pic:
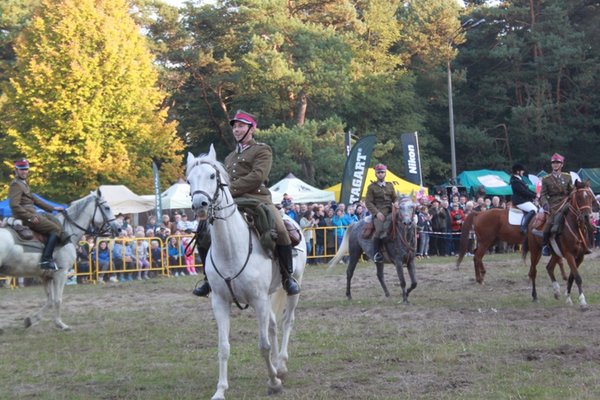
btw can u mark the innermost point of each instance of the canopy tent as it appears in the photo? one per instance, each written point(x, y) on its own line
point(124, 201)
point(401, 186)
point(175, 197)
point(5, 210)
point(495, 183)
point(593, 174)
point(301, 192)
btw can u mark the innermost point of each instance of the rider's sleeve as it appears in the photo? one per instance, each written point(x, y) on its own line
point(15, 194)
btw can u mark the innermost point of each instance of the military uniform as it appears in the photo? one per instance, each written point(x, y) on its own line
point(555, 188)
point(22, 202)
point(248, 168)
point(380, 199)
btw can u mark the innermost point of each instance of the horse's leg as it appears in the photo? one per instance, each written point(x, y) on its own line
point(550, 269)
point(58, 285)
point(400, 273)
point(349, 274)
point(411, 267)
point(289, 316)
point(221, 311)
point(535, 255)
point(37, 317)
point(574, 276)
point(562, 269)
point(264, 315)
point(381, 278)
point(482, 248)
point(273, 338)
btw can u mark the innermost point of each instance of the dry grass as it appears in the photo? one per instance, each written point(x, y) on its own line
point(458, 340)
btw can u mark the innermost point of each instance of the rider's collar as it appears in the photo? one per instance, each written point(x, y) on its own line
point(241, 147)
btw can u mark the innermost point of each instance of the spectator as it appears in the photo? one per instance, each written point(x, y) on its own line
point(189, 258)
point(339, 220)
point(151, 224)
point(175, 253)
point(308, 223)
point(320, 232)
point(142, 256)
point(424, 228)
point(156, 259)
point(438, 224)
point(457, 218)
point(330, 242)
point(101, 256)
point(84, 250)
point(122, 257)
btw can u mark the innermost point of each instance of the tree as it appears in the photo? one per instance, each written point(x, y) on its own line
point(83, 104)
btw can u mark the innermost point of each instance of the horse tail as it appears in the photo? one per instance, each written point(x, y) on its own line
point(343, 249)
point(464, 236)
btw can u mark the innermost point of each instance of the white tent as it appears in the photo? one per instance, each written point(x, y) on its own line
point(177, 196)
point(124, 201)
point(300, 191)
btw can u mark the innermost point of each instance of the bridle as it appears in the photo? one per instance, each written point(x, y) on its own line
point(582, 217)
point(91, 229)
point(213, 207)
point(406, 228)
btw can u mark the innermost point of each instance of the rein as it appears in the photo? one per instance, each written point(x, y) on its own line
point(90, 231)
point(577, 211)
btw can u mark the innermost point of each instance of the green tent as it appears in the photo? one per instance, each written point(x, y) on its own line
point(495, 183)
point(593, 174)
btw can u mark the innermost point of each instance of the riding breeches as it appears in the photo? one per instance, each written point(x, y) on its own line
point(283, 237)
point(527, 206)
point(382, 228)
point(44, 226)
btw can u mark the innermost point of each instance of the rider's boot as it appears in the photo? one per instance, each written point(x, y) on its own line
point(47, 261)
point(286, 267)
point(203, 290)
point(526, 219)
point(377, 256)
point(546, 247)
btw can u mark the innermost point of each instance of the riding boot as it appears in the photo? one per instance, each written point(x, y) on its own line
point(377, 256)
point(545, 245)
point(203, 290)
point(525, 221)
point(47, 261)
point(286, 267)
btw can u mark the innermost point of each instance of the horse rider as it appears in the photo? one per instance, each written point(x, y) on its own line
point(248, 167)
point(22, 202)
point(556, 186)
point(381, 196)
point(522, 197)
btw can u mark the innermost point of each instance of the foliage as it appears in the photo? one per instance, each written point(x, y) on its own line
point(83, 101)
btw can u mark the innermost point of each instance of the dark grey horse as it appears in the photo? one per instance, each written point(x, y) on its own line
point(399, 249)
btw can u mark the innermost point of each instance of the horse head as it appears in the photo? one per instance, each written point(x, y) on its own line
point(406, 210)
point(92, 215)
point(208, 182)
point(582, 200)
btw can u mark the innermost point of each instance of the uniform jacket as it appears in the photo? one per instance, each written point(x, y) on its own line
point(521, 193)
point(380, 199)
point(249, 170)
point(555, 189)
point(22, 201)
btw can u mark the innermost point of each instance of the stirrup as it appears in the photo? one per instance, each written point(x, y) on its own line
point(49, 265)
point(546, 250)
point(291, 287)
point(203, 290)
point(378, 257)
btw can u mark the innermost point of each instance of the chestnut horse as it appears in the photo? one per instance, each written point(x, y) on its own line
point(576, 237)
point(490, 226)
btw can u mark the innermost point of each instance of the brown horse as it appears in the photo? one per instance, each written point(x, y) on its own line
point(490, 226)
point(576, 238)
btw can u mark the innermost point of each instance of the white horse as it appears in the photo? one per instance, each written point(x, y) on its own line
point(240, 271)
point(23, 260)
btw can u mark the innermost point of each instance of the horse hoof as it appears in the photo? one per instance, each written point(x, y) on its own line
point(557, 296)
point(275, 388)
point(584, 307)
point(28, 322)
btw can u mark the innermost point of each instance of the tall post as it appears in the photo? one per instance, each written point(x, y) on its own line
point(451, 122)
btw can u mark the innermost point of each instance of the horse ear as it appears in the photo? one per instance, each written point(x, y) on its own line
point(190, 160)
point(98, 193)
point(212, 153)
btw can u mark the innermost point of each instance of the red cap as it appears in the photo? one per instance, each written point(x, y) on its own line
point(243, 116)
point(380, 167)
point(557, 157)
point(22, 163)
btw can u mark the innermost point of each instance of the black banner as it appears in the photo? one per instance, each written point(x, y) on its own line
point(355, 170)
point(412, 160)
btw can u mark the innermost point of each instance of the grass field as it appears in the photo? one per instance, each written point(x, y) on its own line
point(457, 340)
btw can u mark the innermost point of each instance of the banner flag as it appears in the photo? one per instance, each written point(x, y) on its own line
point(157, 199)
point(347, 138)
point(355, 170)
point(412, 159)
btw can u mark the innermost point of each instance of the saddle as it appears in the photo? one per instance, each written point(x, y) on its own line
point(17, 226)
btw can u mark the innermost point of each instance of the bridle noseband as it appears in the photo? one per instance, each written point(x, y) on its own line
point(213, 208)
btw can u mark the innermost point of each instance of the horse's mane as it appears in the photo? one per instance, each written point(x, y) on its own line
point(76, 206)
point(205, 159)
